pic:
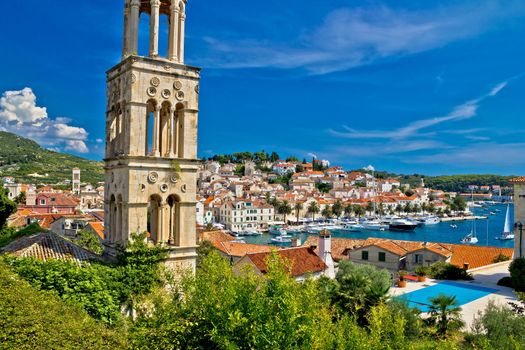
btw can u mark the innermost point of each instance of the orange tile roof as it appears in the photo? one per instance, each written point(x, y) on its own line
point(300, 261)
point(339, 245)
point(238, 249)
point(476, 256)
point(518, 179)
point(215, 236)
point(98, 228)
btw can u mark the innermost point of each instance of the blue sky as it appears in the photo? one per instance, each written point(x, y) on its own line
point(434, 87)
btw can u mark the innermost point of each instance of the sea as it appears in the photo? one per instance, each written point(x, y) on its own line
point(487, 230)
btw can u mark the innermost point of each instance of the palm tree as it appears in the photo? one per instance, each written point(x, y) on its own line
point(381, 209)
point(327, 212)
point(399, 209)
point(407, 208)
point(297, 207)
point(424, 207)
point(359, 210)
point(337, 208)
point(445, 314)
point(369, 207)
point(284, 208)
point(349, 210)
point(431, 208)
point(417, 208)
point(313, 208)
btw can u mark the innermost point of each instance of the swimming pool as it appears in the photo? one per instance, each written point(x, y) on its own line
point(464, 293)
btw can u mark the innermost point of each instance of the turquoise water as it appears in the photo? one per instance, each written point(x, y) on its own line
point(464, 294)
point(441, 232)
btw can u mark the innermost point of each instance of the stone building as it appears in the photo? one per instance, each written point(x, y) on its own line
point(75, 181)
point(151, 137)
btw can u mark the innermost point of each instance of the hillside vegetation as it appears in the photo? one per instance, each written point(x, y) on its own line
point(20, 157)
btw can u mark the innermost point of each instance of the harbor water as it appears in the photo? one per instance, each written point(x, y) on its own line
point(487, 230)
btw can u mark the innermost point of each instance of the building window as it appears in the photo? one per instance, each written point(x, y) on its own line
point(364, 255)
point(418, 258)
point(381, 256)
point(42, 202)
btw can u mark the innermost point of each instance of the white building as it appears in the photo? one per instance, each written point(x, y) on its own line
point(243, 215)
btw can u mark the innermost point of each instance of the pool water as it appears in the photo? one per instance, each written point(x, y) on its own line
point(464, 294)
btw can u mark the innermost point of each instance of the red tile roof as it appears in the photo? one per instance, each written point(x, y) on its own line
point(518, 179)
point(238, 249)
point(300, 261)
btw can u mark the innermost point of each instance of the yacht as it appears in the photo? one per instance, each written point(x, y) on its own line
point(507, 234)
point(250, 233)
point(277, 230)
point(402, 225)
point(353, 227)
point(281, 239)
point(429, 220)
point(374, 225)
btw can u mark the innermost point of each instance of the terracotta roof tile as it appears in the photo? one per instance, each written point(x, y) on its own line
point(239, 249)
point(98, 228)
point(301, 261)
point(518, 179)
point(339, 245)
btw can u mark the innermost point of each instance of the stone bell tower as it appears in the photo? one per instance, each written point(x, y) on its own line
point(151, 138)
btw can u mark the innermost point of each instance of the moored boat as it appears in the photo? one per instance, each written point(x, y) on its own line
point(507, 234)
point(402, 225)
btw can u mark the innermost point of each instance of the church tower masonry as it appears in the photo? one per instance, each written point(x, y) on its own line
point(151, 138)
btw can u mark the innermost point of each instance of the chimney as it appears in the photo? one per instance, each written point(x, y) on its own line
point(466, 266)
point(296, 242)
point(325, 252)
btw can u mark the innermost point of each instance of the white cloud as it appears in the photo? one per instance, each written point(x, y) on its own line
point(369, 168)
point(312, 155)
point(20, 114)
point(463, 111)
point(350, 37)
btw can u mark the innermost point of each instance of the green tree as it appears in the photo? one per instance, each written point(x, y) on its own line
point(87, 239)
point(284, 208)
point(21, 198)
point(445, 314)
point(323, 187)
point(349, 210)
point(359, 210)
point(313, 208)
point(369, 207)
point(459, 203)
point(327, 212)
point(274, 157)
point(337, 208)
point(7, 207)
point(517, 273)
point(297, 208)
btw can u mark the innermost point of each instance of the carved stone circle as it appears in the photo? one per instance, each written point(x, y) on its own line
point(164, 188)
point(183, 188)
point(166, 93)
point(197, 88)
point(174, 178)
point(155, 81)
point(151, 91)
point(133, 78)
point(179, 95)
point(177, 85)
point(153, 177)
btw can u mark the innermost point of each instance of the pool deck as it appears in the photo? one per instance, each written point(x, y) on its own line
point(487, 277)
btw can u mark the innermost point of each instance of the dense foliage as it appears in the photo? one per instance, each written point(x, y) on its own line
point(20, 156)
point(99, 288)
point(8, 235)
point(30, 319)
point(87, 240)
point(445, 271)
point(7, 207)
point(517, 273)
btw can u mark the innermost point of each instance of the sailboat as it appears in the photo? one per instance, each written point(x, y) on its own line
point(507, 229)
point(471, 237)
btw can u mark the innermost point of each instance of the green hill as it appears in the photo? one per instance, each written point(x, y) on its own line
point(20, 157)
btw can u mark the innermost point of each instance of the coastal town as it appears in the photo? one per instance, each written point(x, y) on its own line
point(145, 243)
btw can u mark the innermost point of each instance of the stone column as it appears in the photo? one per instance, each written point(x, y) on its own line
point(154, 28)
point(126, 40)
point(181, 36)
point(134, 27)
point(173, 131)
point(178, 134)
point(174, 32)
point(155, 148)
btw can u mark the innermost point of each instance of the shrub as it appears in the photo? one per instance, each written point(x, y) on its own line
point(517, 273)
point(500, 258)
point(445, 271)
point(422, 270)
point(10, 234)
point(30, 319)
point(505, 282)
point(501, 327)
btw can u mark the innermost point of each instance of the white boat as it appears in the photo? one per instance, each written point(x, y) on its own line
point(402, 225)
point(429, 220)
point(281, 239)
point(507, 234)
point(453, 226)
point(469, 239)
point(353, 227)
point(277, 230)
point(374, 225)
